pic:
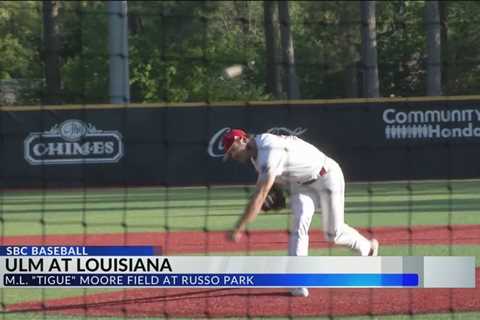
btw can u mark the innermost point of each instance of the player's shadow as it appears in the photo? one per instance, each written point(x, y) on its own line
point(204, 294)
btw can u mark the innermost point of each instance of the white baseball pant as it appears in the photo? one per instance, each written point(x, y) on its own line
point(327, 193)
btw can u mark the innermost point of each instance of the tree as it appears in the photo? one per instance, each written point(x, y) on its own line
point(433, 59)
point(272, 72)
point(401, 44)
point(349, 54)
point(443, 7)
point(293, 90)
point(179, 49)
point(52, 47)
point(20, 52)
point(370, 82)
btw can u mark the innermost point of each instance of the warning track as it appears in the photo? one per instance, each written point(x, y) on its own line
point(258, 302)
point(215, 241)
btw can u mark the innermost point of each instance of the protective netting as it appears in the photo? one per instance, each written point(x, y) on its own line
point(416, 193)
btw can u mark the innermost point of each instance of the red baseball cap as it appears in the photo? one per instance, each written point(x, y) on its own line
point(230, 137)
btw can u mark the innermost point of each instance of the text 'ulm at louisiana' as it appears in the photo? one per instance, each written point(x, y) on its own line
point(97, 264)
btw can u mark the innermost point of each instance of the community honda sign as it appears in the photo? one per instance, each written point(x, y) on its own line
point(431, 124)
point(215, 146)
point(73, 142)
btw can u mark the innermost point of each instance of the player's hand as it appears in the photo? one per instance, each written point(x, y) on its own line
point(235, 235)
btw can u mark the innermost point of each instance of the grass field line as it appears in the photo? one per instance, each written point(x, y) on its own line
point(438, 183)
point(216, 241)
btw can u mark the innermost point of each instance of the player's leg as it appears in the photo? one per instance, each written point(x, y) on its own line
point(303, 209)
point(332, 201)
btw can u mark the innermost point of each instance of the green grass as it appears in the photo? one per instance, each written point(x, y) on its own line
point(11, 296)
point(217, 208)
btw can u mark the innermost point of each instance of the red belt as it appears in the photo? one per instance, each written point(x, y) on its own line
point(322, 173)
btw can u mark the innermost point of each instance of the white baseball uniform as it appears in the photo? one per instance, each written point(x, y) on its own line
point(316, 182)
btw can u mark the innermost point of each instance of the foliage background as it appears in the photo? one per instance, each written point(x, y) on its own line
point(179, 49)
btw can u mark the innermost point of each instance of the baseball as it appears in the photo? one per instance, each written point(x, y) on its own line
point(233, 71)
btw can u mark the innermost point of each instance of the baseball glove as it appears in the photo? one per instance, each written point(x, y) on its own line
point(275, 199)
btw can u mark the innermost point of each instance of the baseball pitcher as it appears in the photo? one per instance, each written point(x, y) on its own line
point(315, 182)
